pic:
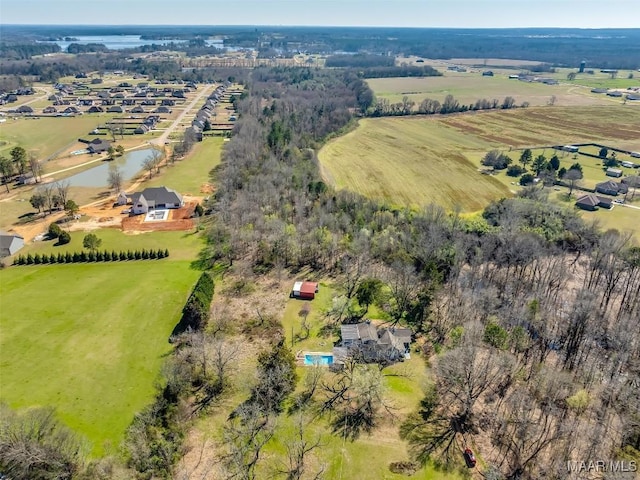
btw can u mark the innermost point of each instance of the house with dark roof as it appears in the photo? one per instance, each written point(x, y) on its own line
point(49, 109)
point(10, 243)
point(95, 109)
point(115, 109)
point(24, 109)
point(611, 188)
point(97, 145)
point(154, 198)
point(364, 342)
point(591, 202)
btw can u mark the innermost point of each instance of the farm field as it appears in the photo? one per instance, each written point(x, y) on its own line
point(92, 349)
point(411, 162)
point(416, 160)
point(471, 86)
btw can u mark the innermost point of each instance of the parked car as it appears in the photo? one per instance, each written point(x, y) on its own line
point(469, 458)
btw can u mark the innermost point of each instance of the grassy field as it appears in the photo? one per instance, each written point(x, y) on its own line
point(410, 161)
point(471, 86)
point(417, 160)
point(93, 348)
point(46, 136)
point(189, 175)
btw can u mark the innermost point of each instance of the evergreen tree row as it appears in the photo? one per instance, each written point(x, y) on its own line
point(90, 256)
point(195, 313)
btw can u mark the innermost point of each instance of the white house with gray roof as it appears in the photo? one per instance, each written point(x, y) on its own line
point(154, 198)
point(10, 243)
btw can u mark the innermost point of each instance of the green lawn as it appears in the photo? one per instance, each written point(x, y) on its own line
point(46, 136)
point(189, 174)
point(89, 339)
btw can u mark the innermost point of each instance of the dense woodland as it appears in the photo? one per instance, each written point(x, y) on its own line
point(527, 315)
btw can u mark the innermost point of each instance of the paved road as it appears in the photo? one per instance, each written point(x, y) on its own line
point(202, 91)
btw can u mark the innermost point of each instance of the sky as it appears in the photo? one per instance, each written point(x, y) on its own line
point(399, 13)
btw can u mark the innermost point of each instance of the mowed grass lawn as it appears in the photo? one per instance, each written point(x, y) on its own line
point(189, 174)
point(89, 339)
point(411, 161)
point(46, 136)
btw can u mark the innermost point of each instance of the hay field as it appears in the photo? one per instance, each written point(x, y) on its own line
point(471, 86)
point(410, 161)
point(417, 160)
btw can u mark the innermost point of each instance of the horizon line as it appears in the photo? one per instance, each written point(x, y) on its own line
point(302, 26)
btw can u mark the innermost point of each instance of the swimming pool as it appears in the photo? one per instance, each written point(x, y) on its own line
point(323, 359)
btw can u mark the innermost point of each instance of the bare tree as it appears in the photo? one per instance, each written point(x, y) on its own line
point(245, 435)
point(62, 190)
point(115, 178)
point(572, 177)
point(35, 166)
point(299, 448)
point(36, 445)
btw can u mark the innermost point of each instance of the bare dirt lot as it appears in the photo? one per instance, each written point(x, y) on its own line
point(179, 219)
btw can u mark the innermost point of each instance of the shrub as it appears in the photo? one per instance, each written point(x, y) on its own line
point(64, 238)
point(515, 171)
point(122, 256)
point(130, 255)
point(526, 179)
point(137, 255)
point(68, 258)
point(54, 231)
point(166, 252)
point(52, 258)
point(145, 254)
point(29, 259)
point(114, 256)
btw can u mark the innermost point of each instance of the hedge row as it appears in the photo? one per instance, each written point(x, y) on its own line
point(91, 256)
point(195, 313)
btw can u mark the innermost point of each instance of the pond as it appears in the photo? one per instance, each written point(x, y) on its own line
point(129, 164)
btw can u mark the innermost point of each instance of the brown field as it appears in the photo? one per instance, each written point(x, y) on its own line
point(469, 87)
point(417, 160)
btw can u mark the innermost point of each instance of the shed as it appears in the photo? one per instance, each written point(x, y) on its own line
point(613, 172)
point(304, 290)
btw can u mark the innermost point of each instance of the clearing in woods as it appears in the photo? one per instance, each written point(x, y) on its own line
point(417, 160)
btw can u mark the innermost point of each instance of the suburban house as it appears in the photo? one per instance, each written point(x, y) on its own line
point(304, 290)
point(97, 145)
point(370, 344)
point(49, 109)
point(613, 172)
point(24, 109)
point(10, 243)
point(155, 197)
point(592, 202)
point(611, 188)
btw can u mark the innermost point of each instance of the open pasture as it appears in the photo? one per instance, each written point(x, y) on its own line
point(46, 136)
point(471, 86)
point(417, 160)
point(89, 339)
point(411, 161)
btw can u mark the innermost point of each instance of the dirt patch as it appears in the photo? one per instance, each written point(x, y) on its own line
point(207, 188)
point(179, 219)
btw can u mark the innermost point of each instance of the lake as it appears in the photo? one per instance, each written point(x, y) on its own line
point(130, 164)
point(119, 42)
